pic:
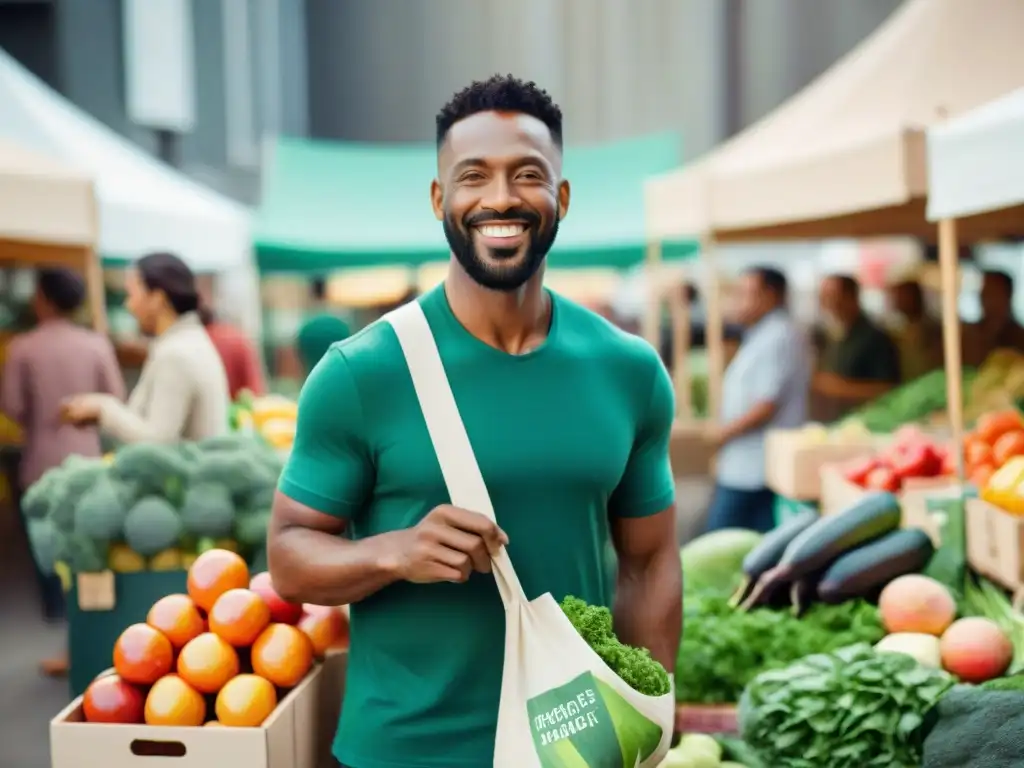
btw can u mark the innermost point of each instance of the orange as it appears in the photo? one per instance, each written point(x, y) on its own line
point(1008, 445)
point(282, 654)
point(213, 573)
point(239, 616)
point(178, 618)
point(246, 701)
point(172, 701)
point(207, 662)
point(143, 655)
point(109, 699)
point(325, 626)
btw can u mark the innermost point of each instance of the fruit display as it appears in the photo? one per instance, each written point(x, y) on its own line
point(218, 655)
point(153, 507)
point(998, 383)
point(846, 433)
point(911, 455)
point(272, 417)
point(993, 453)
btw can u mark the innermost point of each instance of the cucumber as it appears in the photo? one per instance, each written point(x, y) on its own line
point(860, 572)
point(768, 552)
point(818, 545)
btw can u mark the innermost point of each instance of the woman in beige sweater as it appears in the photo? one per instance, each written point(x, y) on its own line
point(182, 393)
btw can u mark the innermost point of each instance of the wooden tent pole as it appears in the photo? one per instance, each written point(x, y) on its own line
point(714, 330)
point(651, 321)
point(679, 313)
point(96, 291)
point(948, 267)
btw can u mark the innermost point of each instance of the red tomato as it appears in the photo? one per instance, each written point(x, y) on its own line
point(882, 479)
point(857, 472)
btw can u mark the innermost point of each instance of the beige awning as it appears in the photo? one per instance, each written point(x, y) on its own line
point(47, 211)
point(370, 287)
point(846, 156)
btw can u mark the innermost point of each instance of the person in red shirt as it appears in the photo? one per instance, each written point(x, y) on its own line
point(236, 350)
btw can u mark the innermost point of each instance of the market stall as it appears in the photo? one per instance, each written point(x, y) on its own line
point(143, 204)
point(846, 156)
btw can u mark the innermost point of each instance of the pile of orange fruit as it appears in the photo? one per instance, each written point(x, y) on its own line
point(222, 655)
point(996, 438)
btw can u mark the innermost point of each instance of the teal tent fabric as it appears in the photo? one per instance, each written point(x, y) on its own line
point(329, 205)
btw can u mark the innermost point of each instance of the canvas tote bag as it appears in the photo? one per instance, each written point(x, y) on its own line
point(561, 705)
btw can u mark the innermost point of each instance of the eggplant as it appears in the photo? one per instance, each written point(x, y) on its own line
point(768, 552)
point(862, 571)
point(818, 545)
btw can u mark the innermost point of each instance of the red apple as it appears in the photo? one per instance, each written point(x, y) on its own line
point(281, 611)
point(326, 626)
point(109, 699)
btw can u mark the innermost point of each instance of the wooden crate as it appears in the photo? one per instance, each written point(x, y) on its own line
point(793, 466)
point(995, 543)
point(690, 453)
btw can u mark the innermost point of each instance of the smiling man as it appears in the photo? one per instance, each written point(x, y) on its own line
point(569, 419)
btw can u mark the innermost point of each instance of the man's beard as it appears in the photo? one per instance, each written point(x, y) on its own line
point(498, 277)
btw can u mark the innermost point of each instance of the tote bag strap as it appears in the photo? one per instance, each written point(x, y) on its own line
point(459, 467)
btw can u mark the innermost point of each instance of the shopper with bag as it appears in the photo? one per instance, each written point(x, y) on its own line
point(481, 447)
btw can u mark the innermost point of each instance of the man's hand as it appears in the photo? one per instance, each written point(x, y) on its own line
point(80, 410)
point(447, 545)
point(827, 383)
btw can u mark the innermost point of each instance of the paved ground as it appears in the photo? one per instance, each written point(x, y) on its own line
point(28, 700)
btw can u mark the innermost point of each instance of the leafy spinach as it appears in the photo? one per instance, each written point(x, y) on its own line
point(854, 708)
point(723, 649)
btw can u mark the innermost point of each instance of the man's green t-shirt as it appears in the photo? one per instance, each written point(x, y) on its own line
point(566, 435)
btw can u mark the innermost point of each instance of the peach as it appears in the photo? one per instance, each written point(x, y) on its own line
point(914, 603)
point(975, 650)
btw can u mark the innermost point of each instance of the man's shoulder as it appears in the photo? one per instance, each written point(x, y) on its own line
point(371, 354)
point(586, 330)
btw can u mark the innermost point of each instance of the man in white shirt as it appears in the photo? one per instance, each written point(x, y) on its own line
point(765, 387)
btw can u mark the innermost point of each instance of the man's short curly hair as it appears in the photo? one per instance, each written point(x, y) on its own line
point(501, 93)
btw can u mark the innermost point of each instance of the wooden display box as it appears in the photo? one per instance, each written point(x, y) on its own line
point(288, 739)
point(793, 466)
point(838, 493)
point(995, 543)
point(690, 453)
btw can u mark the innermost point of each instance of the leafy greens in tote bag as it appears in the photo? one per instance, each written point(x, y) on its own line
point(561, 705)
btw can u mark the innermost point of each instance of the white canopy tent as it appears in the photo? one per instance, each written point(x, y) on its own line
point(976, 162)
point(143, 204)
point(846, 156)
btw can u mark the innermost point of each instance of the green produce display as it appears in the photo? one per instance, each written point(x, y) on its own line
point(767, 554)
point(983, 598)
point(854, 708)
point(821, 543)
point(723, 649)
point(975, 727)
point(914, 401)
point(152, 506)
point(712, 561)
point(870, 567)
point(635, 666)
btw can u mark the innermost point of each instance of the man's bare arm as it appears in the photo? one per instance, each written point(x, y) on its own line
point(649, 595)
point(311, 563)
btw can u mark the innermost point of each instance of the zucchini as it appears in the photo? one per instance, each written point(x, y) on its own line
point(768, 552)
point(867, 568)
point(814, 549)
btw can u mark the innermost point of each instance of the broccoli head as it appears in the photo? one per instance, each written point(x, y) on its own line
point(208, 510)
point(83, 555)
point(634, 666)
point(251, 529)
point(76, 476)
point(152, 525)
point(157, 470)
point(46, 544)
point(101, 511)
point(38, 498)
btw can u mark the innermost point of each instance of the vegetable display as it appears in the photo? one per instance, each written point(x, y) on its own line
point(911, 455)
point(914, 401)
point(723, 649)
point(635, 666)
point(853, 708)
point(712, 561)
point(272, 417)
point(998, 438)
point(222, 655)
point(977, 727)
point(153, 506)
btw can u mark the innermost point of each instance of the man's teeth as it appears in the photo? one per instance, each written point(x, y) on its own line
point(501, 230)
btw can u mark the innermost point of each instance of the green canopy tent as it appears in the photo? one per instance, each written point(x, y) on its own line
point(328, 206)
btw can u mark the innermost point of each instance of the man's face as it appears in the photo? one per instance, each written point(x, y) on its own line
point(500, 196)
point(752, 298)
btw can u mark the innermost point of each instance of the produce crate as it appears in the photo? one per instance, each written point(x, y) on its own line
point(100, 606)
point(995, 543)
point(690, 452)
point(332, 692)
point(704, 718)
point(287, 739)
point(838, 493)
point(793, 465)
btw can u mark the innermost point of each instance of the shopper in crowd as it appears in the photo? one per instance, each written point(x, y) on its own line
point(917, 334)
point(316, 336)
point(998, 328)
point(182, 393)
point(859, 360)
point(56, 360)
point(237, 353)
point(765, 387)
point(569, 419)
